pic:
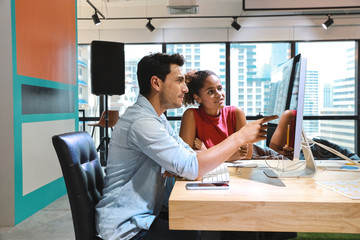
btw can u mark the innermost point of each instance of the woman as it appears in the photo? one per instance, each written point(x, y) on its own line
point(212, 121)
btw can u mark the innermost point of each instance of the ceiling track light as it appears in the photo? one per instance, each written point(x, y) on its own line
point(328, 22)
point(149, 26)
point(96, 19)
point(235, 25)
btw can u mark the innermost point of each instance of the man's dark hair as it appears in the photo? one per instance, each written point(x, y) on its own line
point(157, 64)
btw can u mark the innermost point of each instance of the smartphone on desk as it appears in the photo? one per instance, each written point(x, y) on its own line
point(207, 186)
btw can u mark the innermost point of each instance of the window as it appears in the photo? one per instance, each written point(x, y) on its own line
point(340, 132)
point(86, 99)
point(89, 103)
point(204, 57)
point(330, 95)
point(133, 54)
point(330, 77)
point(251, 66)
point(330, 90)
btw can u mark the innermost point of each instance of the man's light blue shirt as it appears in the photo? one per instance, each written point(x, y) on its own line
point(142, 146)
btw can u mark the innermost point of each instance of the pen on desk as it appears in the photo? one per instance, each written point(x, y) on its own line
point(353, 163)
point(288, 135)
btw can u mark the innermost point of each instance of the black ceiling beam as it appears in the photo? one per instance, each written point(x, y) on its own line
point(240, 16)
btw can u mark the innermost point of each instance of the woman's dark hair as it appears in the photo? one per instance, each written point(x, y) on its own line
point(195, 81)
point(157, 64)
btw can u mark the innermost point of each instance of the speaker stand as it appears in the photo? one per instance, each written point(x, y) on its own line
point(105, 140)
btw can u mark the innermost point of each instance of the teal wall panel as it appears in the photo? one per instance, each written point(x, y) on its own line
point(30, 203)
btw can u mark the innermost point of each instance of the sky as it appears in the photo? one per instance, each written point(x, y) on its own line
point(328, 58)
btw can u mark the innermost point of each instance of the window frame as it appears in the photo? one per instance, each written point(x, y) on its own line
point(355, 116)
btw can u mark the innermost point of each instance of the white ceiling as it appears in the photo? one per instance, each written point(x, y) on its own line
point(132, 14)
point(158, 8)
point(153, 9)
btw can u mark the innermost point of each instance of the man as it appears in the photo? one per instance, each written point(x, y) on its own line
point(144, 145)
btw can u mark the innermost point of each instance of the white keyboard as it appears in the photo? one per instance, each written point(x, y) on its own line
point(219, 174)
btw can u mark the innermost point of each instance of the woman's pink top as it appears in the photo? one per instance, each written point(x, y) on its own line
point(213, 130)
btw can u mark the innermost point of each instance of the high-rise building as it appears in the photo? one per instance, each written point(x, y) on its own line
point(343, 95)
point(327, 96)
point(247, 88)
point(279, 54)
point(311, 103)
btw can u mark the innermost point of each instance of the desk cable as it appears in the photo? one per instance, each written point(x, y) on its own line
point(280, 159)
point(332, 151)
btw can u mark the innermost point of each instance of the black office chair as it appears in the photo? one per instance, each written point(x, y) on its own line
point(84, 179)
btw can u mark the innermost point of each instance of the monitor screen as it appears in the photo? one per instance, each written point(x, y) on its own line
point(289, 106)
point(281, 87)
point(289, 135)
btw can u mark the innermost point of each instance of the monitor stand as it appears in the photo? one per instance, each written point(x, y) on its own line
point(309, 170)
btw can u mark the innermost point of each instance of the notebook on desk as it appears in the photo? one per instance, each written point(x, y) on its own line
point(349, 189)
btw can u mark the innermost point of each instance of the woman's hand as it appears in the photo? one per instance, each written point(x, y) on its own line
point(199, 145)
point(287, 151)
point(243, 150)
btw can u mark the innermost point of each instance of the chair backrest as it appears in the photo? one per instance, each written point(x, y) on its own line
point(84, 179)
point(113, 116)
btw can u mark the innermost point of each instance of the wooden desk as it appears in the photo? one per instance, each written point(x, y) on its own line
point(257, 203)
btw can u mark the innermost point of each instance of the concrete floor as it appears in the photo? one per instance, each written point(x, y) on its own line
point(53, 222)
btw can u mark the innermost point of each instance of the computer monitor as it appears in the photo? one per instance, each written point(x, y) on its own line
point(282, 86)
point(283, 92)
point(294, 168)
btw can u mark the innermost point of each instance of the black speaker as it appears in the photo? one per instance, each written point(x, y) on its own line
point(107, 68)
